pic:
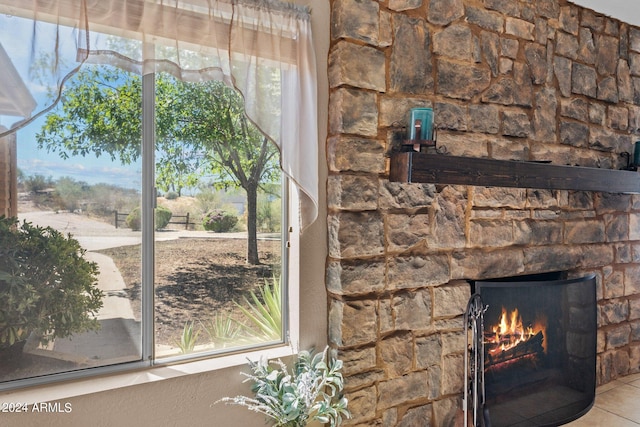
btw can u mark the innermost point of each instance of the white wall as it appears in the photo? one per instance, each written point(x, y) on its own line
point(188, 400)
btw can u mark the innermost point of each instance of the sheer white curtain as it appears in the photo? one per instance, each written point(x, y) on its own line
point(262, 47)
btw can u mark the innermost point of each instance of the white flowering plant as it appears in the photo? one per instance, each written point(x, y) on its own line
point(312, 390)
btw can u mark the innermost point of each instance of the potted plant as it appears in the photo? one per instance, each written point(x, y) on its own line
point(311, 391)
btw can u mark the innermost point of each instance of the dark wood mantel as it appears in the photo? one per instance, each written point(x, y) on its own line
point(445, 169)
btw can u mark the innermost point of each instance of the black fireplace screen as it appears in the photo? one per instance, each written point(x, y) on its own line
point(540, 349)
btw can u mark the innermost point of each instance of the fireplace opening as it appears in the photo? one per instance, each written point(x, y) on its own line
point(539, 340)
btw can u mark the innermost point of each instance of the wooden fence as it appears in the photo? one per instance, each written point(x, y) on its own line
point(120, 217)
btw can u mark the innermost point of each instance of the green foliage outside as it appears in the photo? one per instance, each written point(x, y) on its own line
point(40, 189)
point(219, 221)
point(69, 194)
point(162, 218)
point(36, 183)
point(269, 215)
point(106, 198)
point(46, 285)
point(171, 195)
point(208, 199)
point(134, 219)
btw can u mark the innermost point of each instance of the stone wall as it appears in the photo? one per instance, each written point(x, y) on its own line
point(524, 80)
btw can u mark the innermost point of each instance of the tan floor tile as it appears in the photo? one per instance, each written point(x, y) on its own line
point(630, 378)
point(609, 386)
point(597, 417)
point(617, 405)
point(623, 400)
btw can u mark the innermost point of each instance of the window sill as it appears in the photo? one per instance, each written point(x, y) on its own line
point(96, 384)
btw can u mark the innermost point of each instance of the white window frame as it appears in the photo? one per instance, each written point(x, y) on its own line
point(150, 369)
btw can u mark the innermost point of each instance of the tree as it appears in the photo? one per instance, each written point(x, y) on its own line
point(201, 132)
point(210, 119)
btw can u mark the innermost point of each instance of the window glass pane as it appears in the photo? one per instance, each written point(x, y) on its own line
point(218, 278)
point(65, 304)
point(72, 251)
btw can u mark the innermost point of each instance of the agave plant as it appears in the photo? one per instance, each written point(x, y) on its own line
point(223, 330)
point(265, 311)
point(311, 391)
point(188, 338)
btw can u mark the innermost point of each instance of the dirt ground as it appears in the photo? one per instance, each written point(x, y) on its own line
point(195, 279)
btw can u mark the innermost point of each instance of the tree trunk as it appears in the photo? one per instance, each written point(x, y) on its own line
point(252, 226)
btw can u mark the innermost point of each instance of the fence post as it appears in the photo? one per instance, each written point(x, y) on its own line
point(116, 221)
point(186, 224)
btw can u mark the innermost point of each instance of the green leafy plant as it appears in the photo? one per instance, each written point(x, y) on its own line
point(188, 338)
point(46, 285)
point(219, 221)
point(265, 311)
point(162, 217)
point(312, 390)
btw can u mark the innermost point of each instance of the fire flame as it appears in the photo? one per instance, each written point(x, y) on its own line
point(510, 331)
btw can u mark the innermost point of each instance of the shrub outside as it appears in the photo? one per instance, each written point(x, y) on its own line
point(46, 285)
point(162, 218)
point(219, 221)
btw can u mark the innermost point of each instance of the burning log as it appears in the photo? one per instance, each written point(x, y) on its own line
point(495, 353)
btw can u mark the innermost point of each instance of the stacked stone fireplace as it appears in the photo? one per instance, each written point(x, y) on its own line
point(528, 80)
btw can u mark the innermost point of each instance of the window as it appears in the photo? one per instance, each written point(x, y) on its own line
point(157, 205)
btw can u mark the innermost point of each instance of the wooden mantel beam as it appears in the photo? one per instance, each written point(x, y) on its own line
point(445, 169)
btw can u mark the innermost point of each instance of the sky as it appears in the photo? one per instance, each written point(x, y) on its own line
point(89, 169)
point(31, 160)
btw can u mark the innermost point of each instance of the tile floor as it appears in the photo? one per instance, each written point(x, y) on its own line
point(617, 405)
